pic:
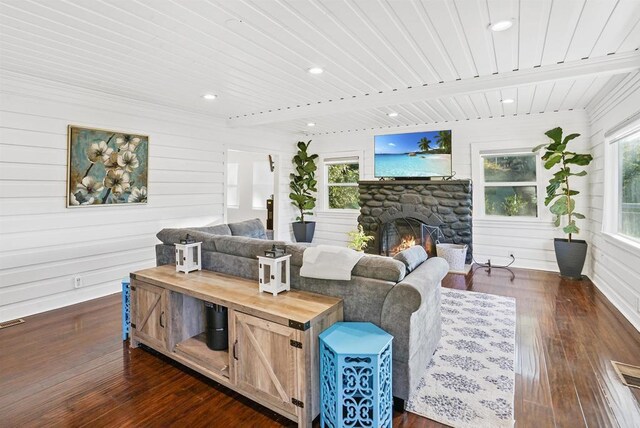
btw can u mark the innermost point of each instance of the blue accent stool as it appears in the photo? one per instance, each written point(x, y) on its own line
point(355, 376)
point(126, 308)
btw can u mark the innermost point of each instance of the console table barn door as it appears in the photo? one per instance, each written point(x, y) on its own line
point(273, 340)
point(148, 310)
point(265, 359)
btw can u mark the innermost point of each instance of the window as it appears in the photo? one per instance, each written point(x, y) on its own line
point(627, 167)
point(341, 183)
point(510, 184)
point(233, 200)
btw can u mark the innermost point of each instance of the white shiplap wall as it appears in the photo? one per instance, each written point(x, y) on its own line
point(616, 267)
point(43, 244)
point(531, 241)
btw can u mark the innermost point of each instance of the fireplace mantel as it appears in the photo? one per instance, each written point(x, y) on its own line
point(423, 182)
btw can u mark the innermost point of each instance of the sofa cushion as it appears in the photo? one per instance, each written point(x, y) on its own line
point(173, 236)
point(219, 229)
point(243, 246)
point(249, 228)
point(412, 257)
point(370, 266)
point(380, 267)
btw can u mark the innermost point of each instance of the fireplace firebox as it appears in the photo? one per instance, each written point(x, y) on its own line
point(402, 233)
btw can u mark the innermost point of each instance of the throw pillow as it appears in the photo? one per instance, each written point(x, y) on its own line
point(249, 228)
point(412, 257)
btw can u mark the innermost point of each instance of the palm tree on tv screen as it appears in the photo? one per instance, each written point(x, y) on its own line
point(423, 144)
point(444, 140)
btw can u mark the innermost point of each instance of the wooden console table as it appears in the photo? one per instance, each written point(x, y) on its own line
point(273, 340)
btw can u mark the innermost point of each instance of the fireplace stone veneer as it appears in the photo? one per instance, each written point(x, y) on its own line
point(444, 203)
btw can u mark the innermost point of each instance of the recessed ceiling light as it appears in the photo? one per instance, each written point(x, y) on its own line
point(392, 114)
point(233, 22)
point(315, 70)
point(209, 96)
point(311, 124)
point(501, 25)
point(507, 101)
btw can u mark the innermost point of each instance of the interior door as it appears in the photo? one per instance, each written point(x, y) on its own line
point(266, 360)
point(148, 314)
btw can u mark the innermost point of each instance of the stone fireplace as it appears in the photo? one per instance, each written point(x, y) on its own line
point(402, 213)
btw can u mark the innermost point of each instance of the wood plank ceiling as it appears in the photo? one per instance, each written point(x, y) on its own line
point(255, 54)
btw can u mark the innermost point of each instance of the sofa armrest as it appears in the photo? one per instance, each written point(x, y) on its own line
point(407, 297)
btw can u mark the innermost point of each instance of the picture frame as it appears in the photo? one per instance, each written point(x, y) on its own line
point(106, 167)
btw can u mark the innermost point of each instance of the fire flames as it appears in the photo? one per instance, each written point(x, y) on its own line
point(407, 241)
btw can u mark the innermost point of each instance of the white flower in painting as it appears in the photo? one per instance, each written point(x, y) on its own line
point(127, 143)
point(73, 200)
point(117, 180)
point(138, 195)
point(128, 161)
point(99, 152)
point(112, 161)
point(89, 187)
point(80, 199)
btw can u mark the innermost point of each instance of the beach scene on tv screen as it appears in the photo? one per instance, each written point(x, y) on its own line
point(416, 154)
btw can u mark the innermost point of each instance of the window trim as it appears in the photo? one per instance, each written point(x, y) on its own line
point(337, 158)
point(506, 148)
point(611, 211)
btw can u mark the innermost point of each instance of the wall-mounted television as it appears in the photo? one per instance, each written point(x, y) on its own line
point(413, 155)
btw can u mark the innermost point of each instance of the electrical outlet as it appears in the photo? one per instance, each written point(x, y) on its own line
point(77, 281)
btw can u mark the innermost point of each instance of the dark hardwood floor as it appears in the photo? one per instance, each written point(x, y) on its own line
point(69, 367)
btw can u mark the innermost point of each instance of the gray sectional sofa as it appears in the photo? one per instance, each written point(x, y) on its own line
point(382, 290)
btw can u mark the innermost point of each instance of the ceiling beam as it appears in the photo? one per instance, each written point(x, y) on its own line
point(607, 65)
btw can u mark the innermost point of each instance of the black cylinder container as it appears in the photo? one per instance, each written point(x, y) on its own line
point(217, 327)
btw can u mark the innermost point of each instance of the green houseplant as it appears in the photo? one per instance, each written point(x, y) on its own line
point(358, 240)
point(570, 253)
point(303, 187)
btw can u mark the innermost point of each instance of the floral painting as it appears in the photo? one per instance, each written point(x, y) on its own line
point(106, 167)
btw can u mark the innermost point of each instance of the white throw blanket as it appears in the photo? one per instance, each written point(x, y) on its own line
point(329, 262)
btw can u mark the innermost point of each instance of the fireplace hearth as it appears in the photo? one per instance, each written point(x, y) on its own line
point(403, 213)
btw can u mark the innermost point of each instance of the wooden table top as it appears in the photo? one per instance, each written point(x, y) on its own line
point(228, 290)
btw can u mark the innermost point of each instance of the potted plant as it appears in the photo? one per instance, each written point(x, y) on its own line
point(570, 253)
point(303, 186)
point(358, 240)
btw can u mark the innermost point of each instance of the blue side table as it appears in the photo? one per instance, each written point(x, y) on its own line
point(355, 376)
point(126, 308)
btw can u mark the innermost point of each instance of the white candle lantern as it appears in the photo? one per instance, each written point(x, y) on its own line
point(274, 274)
point(188, 257)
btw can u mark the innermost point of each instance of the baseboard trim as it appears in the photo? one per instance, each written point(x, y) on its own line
point(618, 302)
point(57, 301)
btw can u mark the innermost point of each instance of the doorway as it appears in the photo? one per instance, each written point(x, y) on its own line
point(251, 183)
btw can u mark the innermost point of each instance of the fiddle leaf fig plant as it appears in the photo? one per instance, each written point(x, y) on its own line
point(303, 181)
point(560, 194)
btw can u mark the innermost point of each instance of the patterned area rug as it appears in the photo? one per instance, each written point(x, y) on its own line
point(470, 380)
